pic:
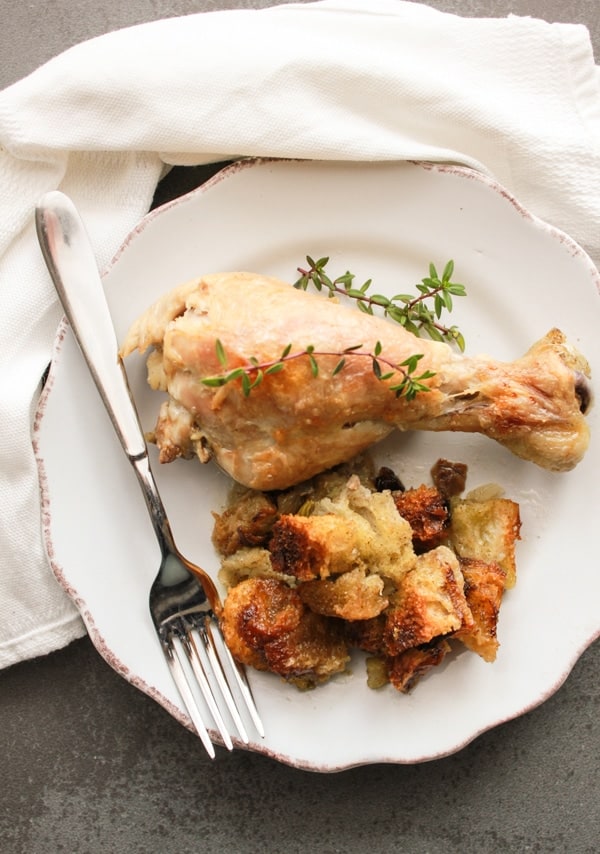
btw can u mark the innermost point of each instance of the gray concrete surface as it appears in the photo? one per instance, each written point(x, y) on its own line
point(88, 764)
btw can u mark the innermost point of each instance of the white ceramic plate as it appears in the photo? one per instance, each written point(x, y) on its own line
point(385, 221)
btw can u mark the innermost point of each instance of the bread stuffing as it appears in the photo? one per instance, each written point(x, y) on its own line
point(343, 562)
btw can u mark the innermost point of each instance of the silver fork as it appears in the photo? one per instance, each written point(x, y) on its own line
point(184, 602)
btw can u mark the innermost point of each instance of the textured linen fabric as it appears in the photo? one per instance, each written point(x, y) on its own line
point(517, 98)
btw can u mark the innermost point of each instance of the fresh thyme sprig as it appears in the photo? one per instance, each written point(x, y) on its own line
point(408, 310)
point(252, 374)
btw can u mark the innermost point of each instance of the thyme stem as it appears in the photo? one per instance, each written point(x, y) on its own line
point(253, 372)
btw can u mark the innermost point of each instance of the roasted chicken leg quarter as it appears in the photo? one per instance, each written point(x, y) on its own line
point(294, 424)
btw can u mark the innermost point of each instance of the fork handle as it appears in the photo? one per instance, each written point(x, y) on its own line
point(70, 260)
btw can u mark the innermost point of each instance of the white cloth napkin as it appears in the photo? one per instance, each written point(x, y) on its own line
point(340, 79)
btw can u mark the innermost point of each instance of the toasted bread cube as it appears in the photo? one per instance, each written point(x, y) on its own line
point(351, 596)
point(484, 586)
point(406, 669)
point(430, 603)
point(367, 634)
point(256, 611)
point(266, 625)
point(358, 530)
point(248, 563)
point(426, 511)
point(310, 547)
point(487, 531)
point(388, 548)
point(245, 523)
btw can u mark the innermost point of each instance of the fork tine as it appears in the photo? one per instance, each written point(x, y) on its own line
point(206, 636)
point(181, 681)
point(244, 689)
point(191, 650)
